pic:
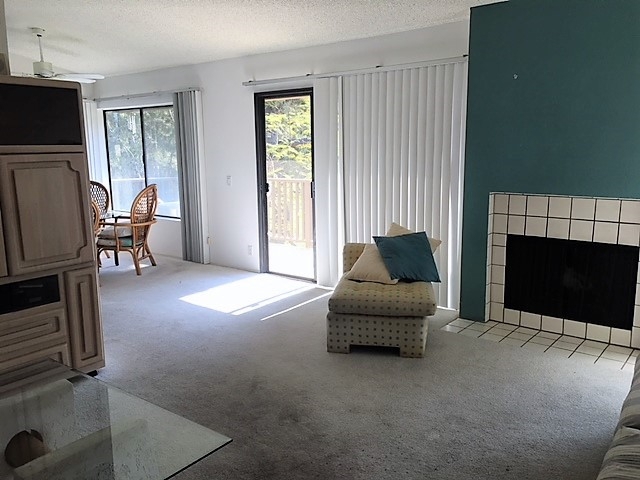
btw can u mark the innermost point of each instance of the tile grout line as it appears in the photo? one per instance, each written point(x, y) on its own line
point(560, 335)
point(627, 360)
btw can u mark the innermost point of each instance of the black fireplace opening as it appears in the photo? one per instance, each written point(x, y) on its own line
point(584, 281)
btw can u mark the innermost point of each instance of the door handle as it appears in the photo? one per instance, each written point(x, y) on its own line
point(266, 188)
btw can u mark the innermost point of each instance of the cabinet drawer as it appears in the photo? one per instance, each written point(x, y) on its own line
point(59, 353)
point(22, 333)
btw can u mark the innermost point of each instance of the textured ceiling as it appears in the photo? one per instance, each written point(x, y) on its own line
point(115, 37)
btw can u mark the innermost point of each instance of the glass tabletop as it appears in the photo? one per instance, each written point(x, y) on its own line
point(78, 427)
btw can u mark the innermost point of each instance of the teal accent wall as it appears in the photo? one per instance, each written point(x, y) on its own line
point(553, 108)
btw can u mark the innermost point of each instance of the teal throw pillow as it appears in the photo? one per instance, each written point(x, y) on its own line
point(408, 257)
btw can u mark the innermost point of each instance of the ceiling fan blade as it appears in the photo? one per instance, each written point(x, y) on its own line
point(66, 78)
point(91, 76)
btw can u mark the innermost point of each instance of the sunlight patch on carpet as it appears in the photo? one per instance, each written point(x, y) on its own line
point(295, 306)
point(242, 296)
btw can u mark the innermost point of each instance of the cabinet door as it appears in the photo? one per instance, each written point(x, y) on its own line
point(46, 211)
point(83, 312)
point(3, 255)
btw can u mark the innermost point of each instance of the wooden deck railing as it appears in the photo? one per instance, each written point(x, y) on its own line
point(290, 211)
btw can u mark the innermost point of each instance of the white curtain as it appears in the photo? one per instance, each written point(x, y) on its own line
point(403, 134)
point(94, 137)
point(328, 179)
point(189, 147)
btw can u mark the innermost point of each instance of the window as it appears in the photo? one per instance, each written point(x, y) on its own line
point(141, 146)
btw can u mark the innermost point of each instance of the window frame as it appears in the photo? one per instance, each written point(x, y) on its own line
point(144, 152)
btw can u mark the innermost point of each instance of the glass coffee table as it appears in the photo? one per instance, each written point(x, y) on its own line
point(86, 429)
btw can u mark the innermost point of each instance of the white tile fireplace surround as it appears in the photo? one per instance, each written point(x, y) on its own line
point(588, 219)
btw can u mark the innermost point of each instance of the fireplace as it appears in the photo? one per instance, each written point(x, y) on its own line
point(566, 265)
point(583, 281)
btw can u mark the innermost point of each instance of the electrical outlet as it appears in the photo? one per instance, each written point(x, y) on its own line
point(250, 249)
point(229, 180)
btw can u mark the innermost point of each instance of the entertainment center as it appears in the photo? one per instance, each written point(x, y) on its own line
point(49, 300)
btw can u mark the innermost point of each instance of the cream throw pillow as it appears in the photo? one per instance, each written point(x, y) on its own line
point(370, 267)
point(395, 230)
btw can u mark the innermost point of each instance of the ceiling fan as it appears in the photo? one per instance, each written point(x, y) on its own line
point(44, 69)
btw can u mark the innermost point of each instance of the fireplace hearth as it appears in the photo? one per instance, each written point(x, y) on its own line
point(567, 265)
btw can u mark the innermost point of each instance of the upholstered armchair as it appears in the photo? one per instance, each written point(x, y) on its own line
point(379, 314)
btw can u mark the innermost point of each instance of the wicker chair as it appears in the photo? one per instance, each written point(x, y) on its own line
point(97, 226)
point(131, 236)
point(100, 195)
point(95, 218)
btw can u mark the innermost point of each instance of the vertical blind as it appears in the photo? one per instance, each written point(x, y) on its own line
point(328, 179)
point(189, 148)
point(401, 136)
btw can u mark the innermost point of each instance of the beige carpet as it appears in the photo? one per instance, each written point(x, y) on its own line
point(244, 354)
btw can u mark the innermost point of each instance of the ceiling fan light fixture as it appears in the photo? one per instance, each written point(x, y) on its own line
point(43, 69)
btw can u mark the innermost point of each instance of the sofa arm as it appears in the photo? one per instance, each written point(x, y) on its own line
point(350, 253)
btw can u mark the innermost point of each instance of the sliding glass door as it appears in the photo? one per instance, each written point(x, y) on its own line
point(284, 137)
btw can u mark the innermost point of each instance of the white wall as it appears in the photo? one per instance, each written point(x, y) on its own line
point(229, 117)
point(165, 239)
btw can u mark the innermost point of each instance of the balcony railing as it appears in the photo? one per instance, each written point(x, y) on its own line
point(290, 212)
point(124, 190)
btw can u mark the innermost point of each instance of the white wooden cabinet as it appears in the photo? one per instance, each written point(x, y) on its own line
point(49, 298)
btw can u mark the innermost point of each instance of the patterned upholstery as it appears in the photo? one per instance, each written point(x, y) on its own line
point(367, 313)
point(407, 333)
point(630, 414)
point(415, 299)
point(350, 253)
point(109, 232)
point(622, 460)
